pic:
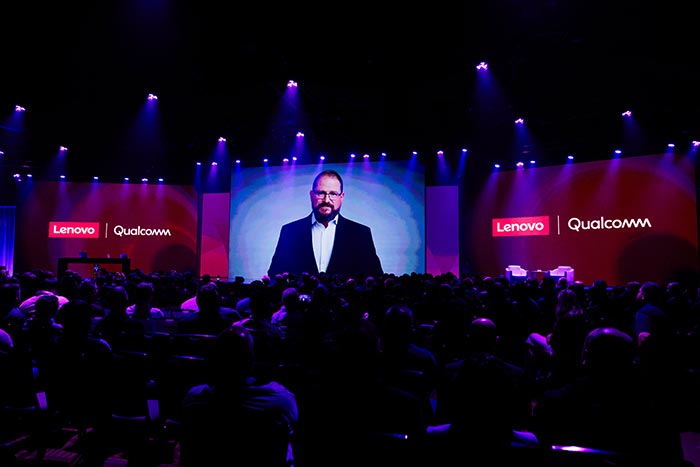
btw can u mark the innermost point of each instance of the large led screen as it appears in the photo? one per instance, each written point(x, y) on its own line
point(155, 226)
point(627, 219)
point(388, 197)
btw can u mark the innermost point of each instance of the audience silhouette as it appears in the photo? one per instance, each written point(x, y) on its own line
point(608, 407)
point(413, 369)
point(209, 317)
point(233, 414)
point(483, 402)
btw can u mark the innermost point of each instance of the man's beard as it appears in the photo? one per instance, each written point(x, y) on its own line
point(324, 218)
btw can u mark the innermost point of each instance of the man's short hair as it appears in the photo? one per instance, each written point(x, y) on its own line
point(329, 173)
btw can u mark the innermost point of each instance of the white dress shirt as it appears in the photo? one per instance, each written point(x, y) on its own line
point(323, 238)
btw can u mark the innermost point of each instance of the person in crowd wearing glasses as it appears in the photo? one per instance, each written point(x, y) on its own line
point(325, 241)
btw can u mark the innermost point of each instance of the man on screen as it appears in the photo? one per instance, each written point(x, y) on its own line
point(325, 241)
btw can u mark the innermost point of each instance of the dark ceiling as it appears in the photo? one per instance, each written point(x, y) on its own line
point(371, 78)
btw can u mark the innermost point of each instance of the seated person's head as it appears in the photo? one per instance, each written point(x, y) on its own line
point(651, 292)
point(290, 297)
point(143, 292)
point(482, 334)
point(232, 355)
point(9, 294)
point(117, 298)
point(76, 318)
point(608, 350)
point(260, 306)
point(398, 322)
point(87, 290)
point(208, 297)
point(46, 306)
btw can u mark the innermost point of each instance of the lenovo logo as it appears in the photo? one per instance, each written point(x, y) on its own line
point(520, 226)
point(74, 230)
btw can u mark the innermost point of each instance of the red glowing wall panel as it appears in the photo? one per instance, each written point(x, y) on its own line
point(154, 225)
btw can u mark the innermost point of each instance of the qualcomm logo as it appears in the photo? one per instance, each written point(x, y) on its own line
point(92, 230)
point(540, 225)
point(607, 224)
point(121, 231)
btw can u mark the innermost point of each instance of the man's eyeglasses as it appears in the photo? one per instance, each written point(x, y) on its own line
point(322, 194)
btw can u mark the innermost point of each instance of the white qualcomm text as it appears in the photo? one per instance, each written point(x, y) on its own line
point(140, 231)
point(606, 224)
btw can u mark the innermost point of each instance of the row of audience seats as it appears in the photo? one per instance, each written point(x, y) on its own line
point(150, 375)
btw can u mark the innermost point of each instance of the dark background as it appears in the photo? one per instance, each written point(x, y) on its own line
point(372, 77)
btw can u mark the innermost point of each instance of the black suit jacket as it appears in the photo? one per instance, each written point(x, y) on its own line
point(353, 250)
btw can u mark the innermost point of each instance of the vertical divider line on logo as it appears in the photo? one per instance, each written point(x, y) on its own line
point(106, 228)
point(558, 231)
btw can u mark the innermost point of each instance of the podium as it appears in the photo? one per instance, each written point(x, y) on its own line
point(64, 263)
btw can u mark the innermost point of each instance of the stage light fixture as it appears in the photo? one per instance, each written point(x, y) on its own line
point(482, 66)
point(627, 113)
